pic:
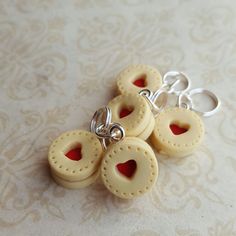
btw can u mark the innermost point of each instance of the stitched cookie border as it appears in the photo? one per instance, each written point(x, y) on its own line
point(143, 107)
point(115, 151)
point(158, 135)
point(122, 75)
point(58, 165)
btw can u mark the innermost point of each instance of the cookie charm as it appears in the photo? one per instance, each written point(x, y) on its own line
point(134, 78)
point(76, 184)
point(129, 167)
point(74, 158)
point(180, 130)
point(133, 113)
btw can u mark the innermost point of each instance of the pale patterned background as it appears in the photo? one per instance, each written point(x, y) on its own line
point(58, 61)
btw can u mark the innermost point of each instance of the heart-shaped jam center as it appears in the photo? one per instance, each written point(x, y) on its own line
point(75, 154)
point(141, 81)
point(178, 129)
point(125, 111)
point(127, 168)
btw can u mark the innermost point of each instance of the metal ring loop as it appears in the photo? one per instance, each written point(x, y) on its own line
point(113, 132)
point(104, 129)
point(171, 86)
point(184, 101)
point(101, 132)
point(155, 97)
point(98, 119)
point(152, 98)
point(146, 93)
point(211, 95)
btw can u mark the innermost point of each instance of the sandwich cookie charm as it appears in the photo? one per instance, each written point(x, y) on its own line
point(133, 113)
point(180, 130)
point(132, 110)
point(134, 78)
point(129, 167)
point(136, 112)
point(74, 158)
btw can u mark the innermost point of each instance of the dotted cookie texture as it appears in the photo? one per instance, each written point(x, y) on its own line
point(147, 132)
point(71, 170)
point(137, 121)
point(166, 142)
point(149, 78)
point(76, 184)
point(144, 176)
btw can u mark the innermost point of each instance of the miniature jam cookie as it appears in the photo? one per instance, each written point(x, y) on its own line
point(129, 168)
point(75, 155)
point(178, 132)
point(132, 112)
point(148, 131)
point(137, 77)
point(76, 184)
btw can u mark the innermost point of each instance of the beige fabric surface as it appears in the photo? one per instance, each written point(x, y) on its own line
point(58, 62)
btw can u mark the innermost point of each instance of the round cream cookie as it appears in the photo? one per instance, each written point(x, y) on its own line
point(139, 113)
point(76, 184)
point(190, 132)
point(148, 131)
point(75, 170)
point(140, 179)
point(134, 78)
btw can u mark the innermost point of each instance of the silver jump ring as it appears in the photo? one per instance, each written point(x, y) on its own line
point(101, 132)
point(171, 86)
point(168, 87)
point(104, 129)
point(190, 105)
point(113, 132)
point(155, 97)
point(146, 93)
point(98, 119)
point(184, 101)
point(211, 95)
point(152, 98)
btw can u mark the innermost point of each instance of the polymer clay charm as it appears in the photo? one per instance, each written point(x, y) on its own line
point(136, 113)
point(180, 130)
point(133, 113)
point(134, 78)
point(76, 184)
point(74, 158)
point(129, 167)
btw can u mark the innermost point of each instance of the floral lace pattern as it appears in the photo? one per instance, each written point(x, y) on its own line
point(58, 62)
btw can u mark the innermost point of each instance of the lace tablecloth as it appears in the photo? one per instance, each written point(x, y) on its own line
point(58, 62)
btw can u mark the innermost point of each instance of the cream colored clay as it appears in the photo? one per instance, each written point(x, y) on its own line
point(71, 170)
point(137, 121)
point(177, 145)
point(126, 78)
point(146, 171)
point(147, 132)
point(76, 184)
